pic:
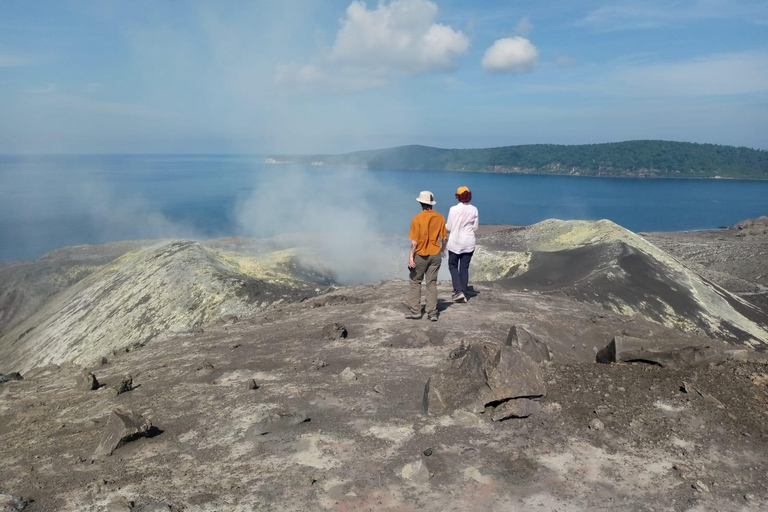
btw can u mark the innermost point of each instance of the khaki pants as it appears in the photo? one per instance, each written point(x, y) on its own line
point(425, 266)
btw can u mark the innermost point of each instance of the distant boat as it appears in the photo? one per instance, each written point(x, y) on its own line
point(317, 162)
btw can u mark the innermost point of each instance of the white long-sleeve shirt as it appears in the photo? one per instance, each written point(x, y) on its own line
point(461, 225)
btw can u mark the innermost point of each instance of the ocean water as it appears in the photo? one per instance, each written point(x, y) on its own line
point(47, 202)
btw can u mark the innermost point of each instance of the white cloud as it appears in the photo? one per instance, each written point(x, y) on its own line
point(400, 36)
point(396, 38)
point(93, 87)
point(511, 55)
point(524, 27)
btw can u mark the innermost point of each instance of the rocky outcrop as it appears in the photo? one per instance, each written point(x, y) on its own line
point(626, 349)
point(171, 287)
point(601, 262)
point(484, 377)
point(123, 427)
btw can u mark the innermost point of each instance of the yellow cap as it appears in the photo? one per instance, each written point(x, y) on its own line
point(461, 190)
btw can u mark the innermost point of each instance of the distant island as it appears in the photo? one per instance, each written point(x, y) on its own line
point(637, 159)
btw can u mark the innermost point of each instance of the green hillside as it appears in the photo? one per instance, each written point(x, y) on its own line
point(651, 158)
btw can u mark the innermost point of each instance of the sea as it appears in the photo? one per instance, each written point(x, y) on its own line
point(48, 202)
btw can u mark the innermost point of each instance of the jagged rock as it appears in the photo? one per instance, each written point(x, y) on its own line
point(479, 375)
point(125, 385)
point(251, 384)
point(627, 349)
point(10, 377)
point(88, 381)
point(10, 503)
point(596, 424)
point(416, 472)
point(348, 375)
point(276, 420)
point(528, 344)
point(123, 427)
point(378, 388)
point(335, 331)
point(515, 408)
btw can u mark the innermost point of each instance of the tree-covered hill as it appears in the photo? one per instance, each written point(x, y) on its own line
point(651, 158)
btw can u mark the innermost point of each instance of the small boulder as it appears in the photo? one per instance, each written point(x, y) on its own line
point(596, 424)
point(528, 344)
point(626, 349)
point(123, 427)
point(88, 381)
point(515, 408)
point(479, 375)
point(416, 472)
point(125, 385)
point(348, 375)
point(11, 376)
point(276, 420)
point(335, 331)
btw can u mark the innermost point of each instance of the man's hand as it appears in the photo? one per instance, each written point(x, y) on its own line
point(411, 263)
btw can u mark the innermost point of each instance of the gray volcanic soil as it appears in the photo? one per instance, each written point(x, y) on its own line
point(344, 458)
point(656, 446)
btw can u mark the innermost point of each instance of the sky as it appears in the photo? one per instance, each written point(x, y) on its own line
point(311, 76)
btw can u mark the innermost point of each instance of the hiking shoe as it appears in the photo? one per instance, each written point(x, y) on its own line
point(432, 318)
point(459, 297)
point(411, 316)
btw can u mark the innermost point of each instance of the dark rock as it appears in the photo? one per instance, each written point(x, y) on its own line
point(251, 384)
point(275, 421)
point(515, 408)
point(10, 503)
point(11, 376)
point(428, 452)
point(627, 349)
point(88, 381)
point(528, 344)
point(123, 427)
point(335, 331)
point(104, 361)
point(479, 375)
point(125, 385)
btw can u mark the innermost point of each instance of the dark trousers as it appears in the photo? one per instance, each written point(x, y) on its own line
point(458, 265)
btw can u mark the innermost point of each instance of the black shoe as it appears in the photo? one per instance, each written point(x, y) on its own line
point(459, 297)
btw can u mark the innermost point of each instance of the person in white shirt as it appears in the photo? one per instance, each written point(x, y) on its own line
point(461, 225)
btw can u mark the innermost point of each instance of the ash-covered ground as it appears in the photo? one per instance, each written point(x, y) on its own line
point(317, 402)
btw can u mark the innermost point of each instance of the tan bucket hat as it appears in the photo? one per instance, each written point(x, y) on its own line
point(426, 197)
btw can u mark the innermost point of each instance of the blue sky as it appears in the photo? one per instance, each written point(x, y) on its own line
point(332, 76)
